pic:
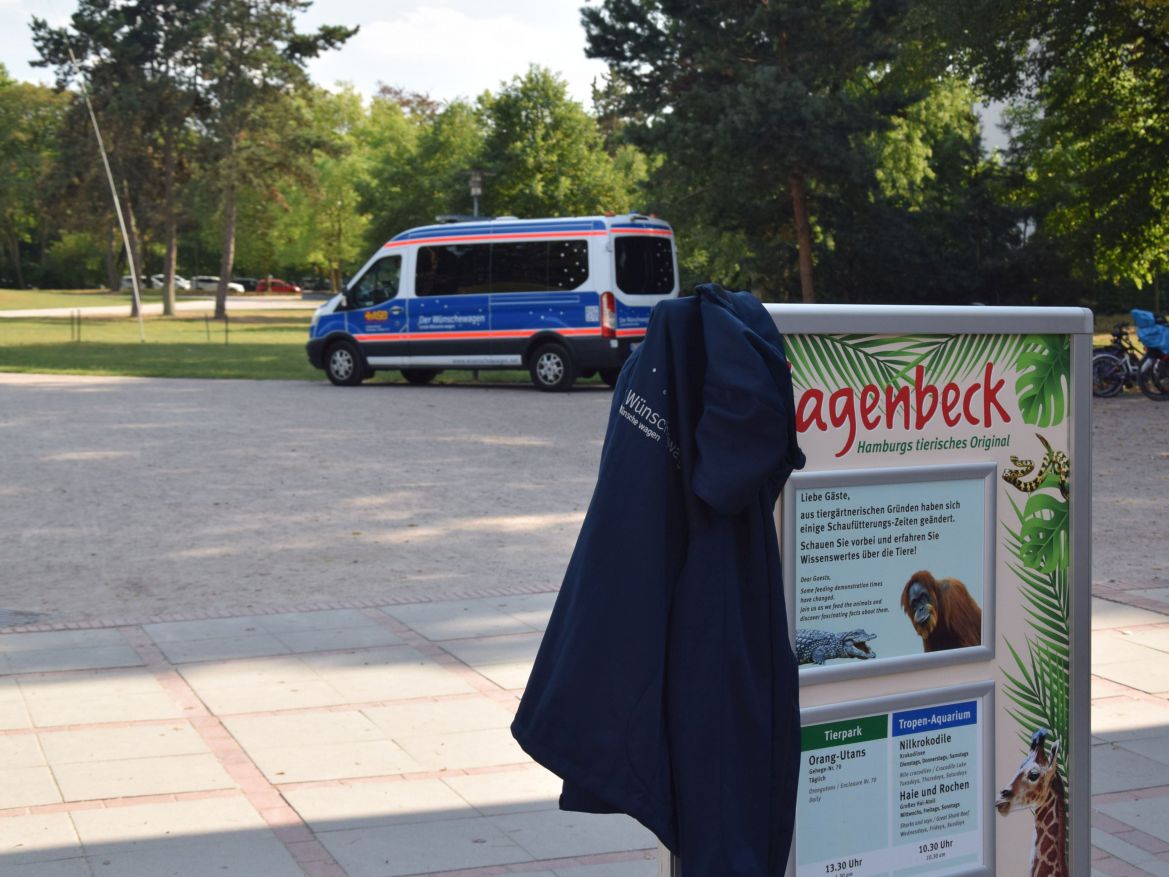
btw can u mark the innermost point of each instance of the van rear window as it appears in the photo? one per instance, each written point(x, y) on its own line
point(528, 266)
point(645, 265)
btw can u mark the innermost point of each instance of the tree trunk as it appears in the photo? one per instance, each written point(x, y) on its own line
point(172, 233)
point(227, 263)
point(13, 245)
point(803, 235)
point(132, 257)
point(112, 272)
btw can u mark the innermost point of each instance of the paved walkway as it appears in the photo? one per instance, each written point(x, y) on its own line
point(372, 741)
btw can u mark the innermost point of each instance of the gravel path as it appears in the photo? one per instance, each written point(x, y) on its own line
point(138, 498)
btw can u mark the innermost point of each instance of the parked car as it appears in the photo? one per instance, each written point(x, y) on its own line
point(275, 284)
point(211, 283)
point(157, 281)
point(248, 283)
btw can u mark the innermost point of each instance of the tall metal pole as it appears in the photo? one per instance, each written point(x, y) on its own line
point(114, 193)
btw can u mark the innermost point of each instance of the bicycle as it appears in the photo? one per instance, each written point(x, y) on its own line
point(1153, 370)
point(1115, 365)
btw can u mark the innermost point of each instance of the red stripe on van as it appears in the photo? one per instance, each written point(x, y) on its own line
point(495, 237)
point(454, 336)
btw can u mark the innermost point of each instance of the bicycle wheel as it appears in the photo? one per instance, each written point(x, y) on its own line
point(1107, 375)
point(1154, 377)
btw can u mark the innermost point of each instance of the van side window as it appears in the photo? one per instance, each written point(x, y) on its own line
point(539, 265)
point(455, 269)
point(645, 265)
point(527, 266)
point(378, 284)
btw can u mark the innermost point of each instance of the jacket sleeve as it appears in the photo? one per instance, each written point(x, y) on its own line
point(745, 434)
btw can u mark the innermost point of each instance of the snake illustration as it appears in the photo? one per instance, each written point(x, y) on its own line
point(1053, 461)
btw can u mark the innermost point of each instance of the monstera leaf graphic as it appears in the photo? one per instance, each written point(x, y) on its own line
point(1043, 533)
point(1043, 367)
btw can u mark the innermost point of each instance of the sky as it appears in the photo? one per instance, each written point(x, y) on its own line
point(444, 48)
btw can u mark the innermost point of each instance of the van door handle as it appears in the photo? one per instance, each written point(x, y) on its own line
point(397, 309)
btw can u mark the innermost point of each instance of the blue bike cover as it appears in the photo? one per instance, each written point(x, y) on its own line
point(665, 686)
point(1151, 333)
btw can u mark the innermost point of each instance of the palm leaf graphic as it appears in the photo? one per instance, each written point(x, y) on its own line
point(854, 360)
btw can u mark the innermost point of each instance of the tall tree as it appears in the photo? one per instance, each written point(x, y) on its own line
point(548, 154)
point(31, 117)
point(1092, 82)
point(137, 62)
point(250, 55)
point(757, 100)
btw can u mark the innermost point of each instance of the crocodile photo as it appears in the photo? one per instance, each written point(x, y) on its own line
point(817, 646)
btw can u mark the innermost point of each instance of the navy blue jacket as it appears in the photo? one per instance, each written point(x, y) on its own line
point(665, 686)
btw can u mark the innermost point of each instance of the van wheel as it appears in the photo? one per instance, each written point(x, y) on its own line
point(552, 368)
point(610, 375)
point(343, 365)
point(419, 375)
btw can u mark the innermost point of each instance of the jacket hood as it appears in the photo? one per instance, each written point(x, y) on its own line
point(746, 435)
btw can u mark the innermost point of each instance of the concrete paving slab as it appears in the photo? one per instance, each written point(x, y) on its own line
point(1127, 852)
point(27, 787)
point(1150, 675)
point(303, 729)
point(440, 717)
point(20, 750)
point(1150, 815)
point(1117, 767)
point(464, 749)
point(106, 744)
point(92, 697)
point(49, 660)
point(1159, 594)
point(548, 834)
point(1154, 748)
point(355, 806)
point(341, 638)
point(513, 791)
point(1154, 637)
point(647, 867)
point(75, 867)
point(62, 639)
point(447, 845)
point(1110, 614)
point(230, 856)
point(332, 761)
point(396, 673)
point(1115, 647)
point(1123, 718)
point(205, 628)
point(37, 837)
point(505, 660)
point(461, 619)
point(256, 645)
point(174, 823)
point(325, 619)
point(129, 777)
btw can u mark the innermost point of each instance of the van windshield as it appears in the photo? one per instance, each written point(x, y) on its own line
point(645, 264)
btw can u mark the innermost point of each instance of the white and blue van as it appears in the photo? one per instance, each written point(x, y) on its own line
point(563, 298)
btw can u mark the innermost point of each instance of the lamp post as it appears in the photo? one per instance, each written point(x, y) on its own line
point(476, 180)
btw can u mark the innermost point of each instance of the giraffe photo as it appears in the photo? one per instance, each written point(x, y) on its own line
point(1037, 785)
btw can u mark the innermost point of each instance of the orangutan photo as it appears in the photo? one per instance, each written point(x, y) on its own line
point(942, 612)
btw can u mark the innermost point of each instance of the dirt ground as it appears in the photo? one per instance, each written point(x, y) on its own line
point(140, 498)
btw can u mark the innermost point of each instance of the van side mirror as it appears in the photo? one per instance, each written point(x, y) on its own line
point(344, 301)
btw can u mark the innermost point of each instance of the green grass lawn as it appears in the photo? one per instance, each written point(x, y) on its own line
point(263, 345)
point(28, 299)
